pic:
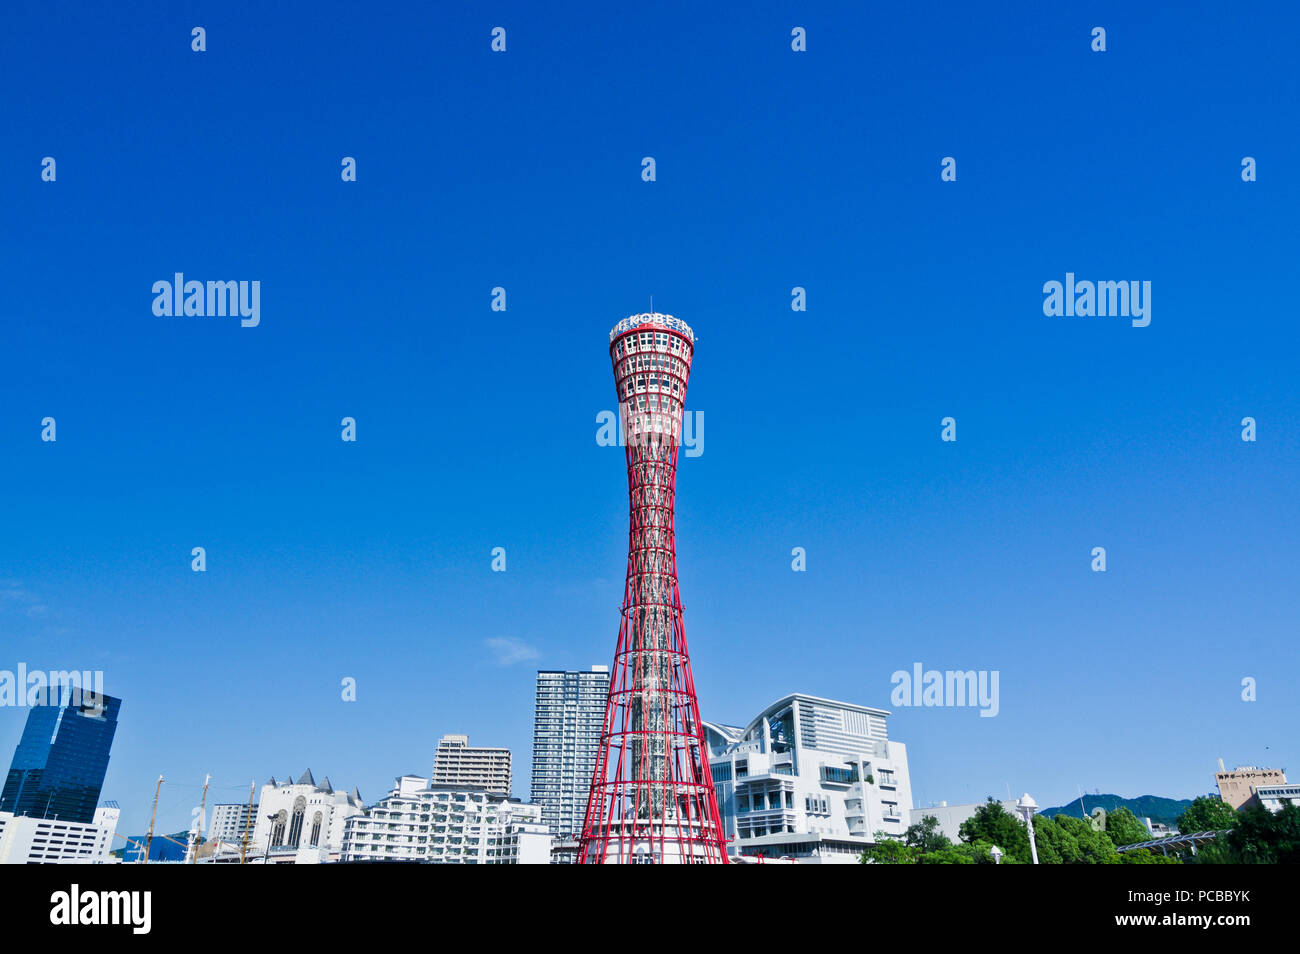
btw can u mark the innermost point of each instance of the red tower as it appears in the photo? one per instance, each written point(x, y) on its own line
point(651, 798)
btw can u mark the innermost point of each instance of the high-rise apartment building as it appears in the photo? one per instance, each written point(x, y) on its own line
point(566, 734)
point(230, 821)
point(59, 766)
point(457, 763)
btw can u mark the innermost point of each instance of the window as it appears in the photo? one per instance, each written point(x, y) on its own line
point(841, 776)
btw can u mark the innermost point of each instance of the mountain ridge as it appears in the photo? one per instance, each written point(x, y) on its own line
point(1155, 807)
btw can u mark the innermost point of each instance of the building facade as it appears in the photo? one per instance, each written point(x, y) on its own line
point(810, 779)
point(1273, 797)
point(230, 822)
point(1236, 786)
point(59, 766)
point(567, 718)
point(456, 762)
point(301, 822)
point(950, 817)
point(28, 840)
point(447, 824)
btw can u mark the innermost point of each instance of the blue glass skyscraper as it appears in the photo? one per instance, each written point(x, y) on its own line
point(59, 766)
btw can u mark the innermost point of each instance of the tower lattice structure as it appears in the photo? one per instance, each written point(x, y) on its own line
point(652, 799)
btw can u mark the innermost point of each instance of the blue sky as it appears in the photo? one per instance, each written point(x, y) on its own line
point(476, 428)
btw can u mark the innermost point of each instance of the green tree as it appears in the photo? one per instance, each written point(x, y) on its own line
point(949, 854)
point(888, 851)
point(926, 836)
point(1215, 852)
point(1147, 856)
point(1123, 828)
point(1055, 845)
point(980, 852)
point(993, 825)
point(1206, 813)
point(1261, 837)
point(1060, 840)
point(1083, 846)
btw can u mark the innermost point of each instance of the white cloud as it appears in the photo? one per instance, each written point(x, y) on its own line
point(510, 651)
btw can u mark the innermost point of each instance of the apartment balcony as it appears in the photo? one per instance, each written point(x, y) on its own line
point(840, 777)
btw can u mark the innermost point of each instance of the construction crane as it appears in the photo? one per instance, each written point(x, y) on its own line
point(148, 839)
point(191, 846)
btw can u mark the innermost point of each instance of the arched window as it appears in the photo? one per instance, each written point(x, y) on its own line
point(277, 829)
point(295, 826)
point(315, 830)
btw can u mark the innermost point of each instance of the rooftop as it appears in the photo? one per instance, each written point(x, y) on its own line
point(652, 319)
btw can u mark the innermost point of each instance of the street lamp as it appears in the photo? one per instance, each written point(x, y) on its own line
point(1027, 806)
point(996, 852)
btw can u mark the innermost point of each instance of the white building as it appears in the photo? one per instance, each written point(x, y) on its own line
point(567, 719)
point(307, 822)
point(950, 817)
point(230, 821)
point(455, 762)
point(1273, 797)
point(26, 840)
point(810, 779)
point(447, 824)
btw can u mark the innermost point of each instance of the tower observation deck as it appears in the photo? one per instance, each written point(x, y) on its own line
point(652, 798)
